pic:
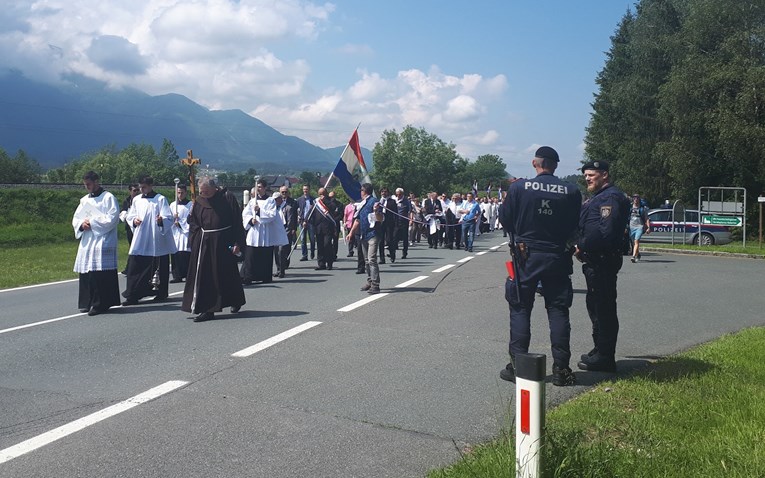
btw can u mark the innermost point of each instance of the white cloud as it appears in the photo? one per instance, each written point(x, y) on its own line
point(228, 54)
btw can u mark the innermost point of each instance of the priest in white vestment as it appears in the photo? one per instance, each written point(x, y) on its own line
point(261, 220)
point(181, 208)
point(151, 220)
point(95, 225)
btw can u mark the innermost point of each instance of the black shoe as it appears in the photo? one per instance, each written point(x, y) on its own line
point(404, 256)
point(508, 373)
point(374, 290)
point(598, 363)
point(124, 273)
point(350, 254)
point(175, 281)
point(276, 274)
point(586, 357)
point(392, 260)
point(281, 275)
point(470, 249)
point(129, 302)
point(303, 259)
point(382, 262)
point(312, 255)
point(236, 309)
point(329, 267)
point(93, 311)
point(84, 310)
point(246, 282)
point(563, 376)
point(366, 287)
point(430, 246)
point(204, 316)
point(361, 272)
point(320, 268)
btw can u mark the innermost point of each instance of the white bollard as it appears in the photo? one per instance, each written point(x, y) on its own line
point(529, 414)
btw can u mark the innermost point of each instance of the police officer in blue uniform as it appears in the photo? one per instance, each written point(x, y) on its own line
point(602, 227)
point(541, 215)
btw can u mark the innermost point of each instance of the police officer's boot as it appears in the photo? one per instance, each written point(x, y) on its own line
point(508, 373)
point(598, 363)
point(563, 376)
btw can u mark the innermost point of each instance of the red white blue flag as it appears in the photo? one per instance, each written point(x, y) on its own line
point(351, 169)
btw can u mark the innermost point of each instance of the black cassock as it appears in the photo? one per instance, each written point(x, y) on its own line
point(213, 281)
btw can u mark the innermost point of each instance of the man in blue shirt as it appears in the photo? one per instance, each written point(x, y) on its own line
point(541, 216)
point(601, 234)
point(368, 221)
point(470, 211)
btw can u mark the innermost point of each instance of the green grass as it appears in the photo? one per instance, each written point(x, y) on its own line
point(697, 414)
point(752, 248)
point(37, 264)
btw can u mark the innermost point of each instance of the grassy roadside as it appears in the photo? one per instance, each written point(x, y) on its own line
point(752, 248)
point(699, 414)
point(39, 264)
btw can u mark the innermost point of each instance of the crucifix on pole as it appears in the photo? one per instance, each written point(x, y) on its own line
point(190, 161)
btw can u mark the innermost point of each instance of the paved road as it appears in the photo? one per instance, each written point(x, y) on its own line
point(392, 387)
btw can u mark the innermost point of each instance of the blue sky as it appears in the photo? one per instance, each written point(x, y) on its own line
point(491, 77)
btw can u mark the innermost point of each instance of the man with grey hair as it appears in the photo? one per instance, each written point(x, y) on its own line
point(401, 227)
point(217, 238)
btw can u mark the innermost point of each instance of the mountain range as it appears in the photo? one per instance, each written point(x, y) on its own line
point(55, 124)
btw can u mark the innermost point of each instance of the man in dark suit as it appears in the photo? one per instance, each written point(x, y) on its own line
point(305, 204)
point(289, 213)
point(388, 206)
point(434, 214)
point(325, 228)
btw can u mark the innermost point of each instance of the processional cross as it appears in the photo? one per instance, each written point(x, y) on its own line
point(190, 161)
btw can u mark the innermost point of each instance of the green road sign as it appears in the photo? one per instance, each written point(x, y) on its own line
point(723, 220)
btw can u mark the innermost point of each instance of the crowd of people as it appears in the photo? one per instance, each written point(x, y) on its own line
point(217, 246)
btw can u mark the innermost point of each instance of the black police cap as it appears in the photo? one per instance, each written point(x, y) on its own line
point(546, 152)
point(595, 165)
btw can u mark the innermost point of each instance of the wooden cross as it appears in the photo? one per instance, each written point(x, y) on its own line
point(190, 161)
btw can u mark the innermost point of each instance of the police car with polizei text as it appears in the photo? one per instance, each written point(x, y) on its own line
point(685, 231)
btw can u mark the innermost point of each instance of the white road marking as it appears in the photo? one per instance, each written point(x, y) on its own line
point(410, 282)
point(446, 267)
point(77, 425)
point(275, 339)
point(39, 285)
point(80, 314)
point(495, 248)
point(361, 302)
point(12, 329)
point(481, 253)
point(465, 259)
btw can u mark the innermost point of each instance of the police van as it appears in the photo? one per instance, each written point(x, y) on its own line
point(662, 226)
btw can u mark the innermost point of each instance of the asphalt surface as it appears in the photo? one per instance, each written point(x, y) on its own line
point(392, 388)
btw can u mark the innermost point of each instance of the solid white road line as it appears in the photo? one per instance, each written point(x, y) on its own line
point(5, 331)
point(77, 425)
point(361, 302)
point(410, 282)
point(446, 267)
point(275, 339)
point(39, 285)
point(465, 259)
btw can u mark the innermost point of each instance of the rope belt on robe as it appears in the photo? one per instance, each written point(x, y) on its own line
point(199, 260)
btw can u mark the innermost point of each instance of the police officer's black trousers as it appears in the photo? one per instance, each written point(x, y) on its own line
point(553, 271)
point(601, 302)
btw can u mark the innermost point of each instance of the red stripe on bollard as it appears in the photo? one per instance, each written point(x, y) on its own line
point(525, 413)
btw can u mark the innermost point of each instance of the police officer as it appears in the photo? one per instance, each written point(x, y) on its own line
point(602, 226)
point(541, 216)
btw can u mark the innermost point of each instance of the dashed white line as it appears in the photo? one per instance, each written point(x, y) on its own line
point(39, 285)
point(77, 425)
point(444, 268)
point(275, 339)
point(465, 259)
point(361, 302)
point(410, 282)
point(481, 253)
point(495, 248)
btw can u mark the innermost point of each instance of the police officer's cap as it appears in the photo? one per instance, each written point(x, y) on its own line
point(546, 152)
point(595, 165)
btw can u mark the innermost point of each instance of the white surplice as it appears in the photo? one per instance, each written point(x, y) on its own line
point(266, 230)
point(150, 239)
point(98, 246)
point(181, 228)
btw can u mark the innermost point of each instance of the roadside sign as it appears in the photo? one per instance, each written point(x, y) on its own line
point(761, 199)
point(723, 220)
